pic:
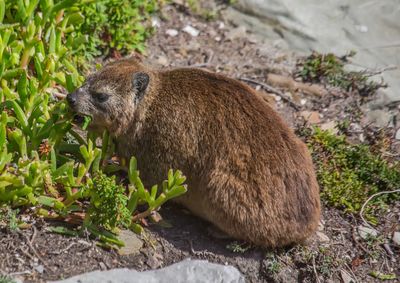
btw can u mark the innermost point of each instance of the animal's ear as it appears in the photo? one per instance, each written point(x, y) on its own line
point(140, 81)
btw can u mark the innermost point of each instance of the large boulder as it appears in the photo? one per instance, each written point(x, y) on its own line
point(186, 271)
point(371, 28)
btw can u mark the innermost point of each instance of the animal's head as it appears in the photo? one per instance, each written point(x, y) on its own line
point(111, 95)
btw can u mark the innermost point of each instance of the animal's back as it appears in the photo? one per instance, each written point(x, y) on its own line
point(247, 171)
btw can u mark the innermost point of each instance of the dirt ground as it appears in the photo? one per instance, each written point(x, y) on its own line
point(336, 254)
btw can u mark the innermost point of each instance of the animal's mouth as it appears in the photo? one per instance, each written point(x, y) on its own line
point(78, 119)
point(82, 121)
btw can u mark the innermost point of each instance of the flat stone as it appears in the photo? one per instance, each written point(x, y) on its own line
point(396, 238)
point(185, 271)
point(322, 237)
point(366, 232)
point(133, 243)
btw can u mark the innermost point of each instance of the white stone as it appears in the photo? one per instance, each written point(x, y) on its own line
point(191, 30)
point(172, 32)
point(155, 23)
point(396, 238)
point(397, 136)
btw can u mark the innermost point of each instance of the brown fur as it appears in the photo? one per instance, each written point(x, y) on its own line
point(247, 172)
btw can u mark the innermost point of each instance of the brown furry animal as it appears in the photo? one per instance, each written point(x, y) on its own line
point(247, 172)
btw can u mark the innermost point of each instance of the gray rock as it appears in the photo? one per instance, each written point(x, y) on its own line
point(381, 118)
point(186, 271)
point(370, 27)
point(39, 268)
point(132, 243)
point(396, 238)
point(346, 277)
point(366, 232)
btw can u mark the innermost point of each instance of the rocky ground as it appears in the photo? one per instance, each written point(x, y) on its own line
point(339, 252)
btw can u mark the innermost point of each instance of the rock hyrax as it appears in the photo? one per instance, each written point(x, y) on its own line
point(247, 172)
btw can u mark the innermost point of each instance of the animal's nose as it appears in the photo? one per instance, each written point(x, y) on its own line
point(71, 98)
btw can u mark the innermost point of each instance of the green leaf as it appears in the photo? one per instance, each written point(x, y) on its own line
point(383, 276)
point(63, 231)
point(2, 10)
point(86, 122)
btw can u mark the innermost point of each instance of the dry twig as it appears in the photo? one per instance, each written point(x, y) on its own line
point(63, 250)
point(315, 270)
point(29, 242)
point(369, 199)
point(274, 91)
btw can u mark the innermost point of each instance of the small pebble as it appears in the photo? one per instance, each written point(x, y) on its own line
point(396, 238)
point(172, 32)
point(191, 30)
point(366, 232)
point(322, 238)
point(39, 268)
point(397, 136)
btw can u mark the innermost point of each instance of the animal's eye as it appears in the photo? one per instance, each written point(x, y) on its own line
point(100, 97)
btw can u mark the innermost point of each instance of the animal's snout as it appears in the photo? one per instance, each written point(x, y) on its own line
point(72, 98)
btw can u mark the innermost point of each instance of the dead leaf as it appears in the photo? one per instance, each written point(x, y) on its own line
point(356, 262)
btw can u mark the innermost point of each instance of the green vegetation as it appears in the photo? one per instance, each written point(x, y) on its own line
point(329, 69)
point(272, 264)
point(44, 163)
point(115, 25)
point(6, 279)
point(350, 173)
point(9, 217)
point(238, 248)
point(201, 9)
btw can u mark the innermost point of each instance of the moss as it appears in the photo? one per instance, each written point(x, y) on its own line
point(350, 173)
